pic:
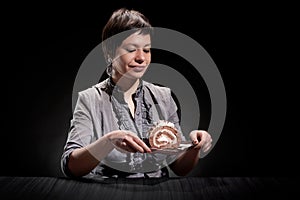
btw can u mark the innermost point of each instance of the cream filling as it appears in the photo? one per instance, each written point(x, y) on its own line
point(165, 123)
point(166, 138)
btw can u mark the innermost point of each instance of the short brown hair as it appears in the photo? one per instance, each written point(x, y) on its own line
point(122, 20)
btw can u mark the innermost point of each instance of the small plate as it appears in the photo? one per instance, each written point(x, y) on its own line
point(182, 147)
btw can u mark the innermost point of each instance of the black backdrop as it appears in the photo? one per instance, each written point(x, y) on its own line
point(45, 45)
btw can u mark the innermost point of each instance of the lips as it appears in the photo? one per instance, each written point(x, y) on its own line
point(138, 68)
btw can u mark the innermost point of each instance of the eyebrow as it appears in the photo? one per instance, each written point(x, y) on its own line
point(135, 45)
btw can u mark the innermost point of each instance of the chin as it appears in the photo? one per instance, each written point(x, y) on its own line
point(134, 75)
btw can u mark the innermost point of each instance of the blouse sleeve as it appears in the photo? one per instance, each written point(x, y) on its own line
point(80, 132)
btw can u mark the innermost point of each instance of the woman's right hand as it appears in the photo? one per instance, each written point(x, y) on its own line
point(127, 141)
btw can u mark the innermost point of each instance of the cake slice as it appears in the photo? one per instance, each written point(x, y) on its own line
point(164, 135)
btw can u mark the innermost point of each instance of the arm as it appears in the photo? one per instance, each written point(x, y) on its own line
point(200, 139)
point(189, 159)
point(81, 154)
point(83, 160)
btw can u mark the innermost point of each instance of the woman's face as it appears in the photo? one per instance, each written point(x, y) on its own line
point(133, 57)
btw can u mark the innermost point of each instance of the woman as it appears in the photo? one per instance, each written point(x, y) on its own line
point(111, 118)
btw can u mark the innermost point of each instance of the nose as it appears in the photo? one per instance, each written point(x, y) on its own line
point(140, 56)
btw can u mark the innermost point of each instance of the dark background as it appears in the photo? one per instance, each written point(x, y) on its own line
point(45, 44)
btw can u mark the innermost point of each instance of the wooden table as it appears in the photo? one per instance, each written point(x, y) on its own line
point(142, 189)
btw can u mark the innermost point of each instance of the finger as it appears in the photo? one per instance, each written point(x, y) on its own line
point(198, 146)
point(205, 144)
point(142, 144)
point(202, 144)
point(129, 148)
point(194, 137)
point(131, 142)
point(123, 147)
point(206, 147)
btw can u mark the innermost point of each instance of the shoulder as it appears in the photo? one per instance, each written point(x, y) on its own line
point(161, 94)
point(93, 91)
point(157, 89)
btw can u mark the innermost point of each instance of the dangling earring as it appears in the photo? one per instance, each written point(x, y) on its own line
point(109, 67)
point(109, 70)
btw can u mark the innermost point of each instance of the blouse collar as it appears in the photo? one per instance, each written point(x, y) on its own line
point(112, 89)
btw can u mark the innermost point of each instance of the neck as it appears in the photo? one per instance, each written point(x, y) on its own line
point(128, 86)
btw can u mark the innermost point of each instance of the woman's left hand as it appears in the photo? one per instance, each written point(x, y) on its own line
point(201, 140)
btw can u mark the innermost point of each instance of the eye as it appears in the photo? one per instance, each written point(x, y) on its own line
point(147, 50)
point(130, 50)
